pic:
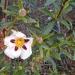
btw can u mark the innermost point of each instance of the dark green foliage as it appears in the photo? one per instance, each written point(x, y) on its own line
point(50, 20)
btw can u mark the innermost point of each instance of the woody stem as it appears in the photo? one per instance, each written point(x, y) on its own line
point(62, 7)
point(6, 3)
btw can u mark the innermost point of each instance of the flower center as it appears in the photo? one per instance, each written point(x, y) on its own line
point(19, 42)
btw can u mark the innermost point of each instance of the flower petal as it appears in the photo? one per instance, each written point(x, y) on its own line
point(11, 53)
point(26, 53)
point(29, 43)
point(7, 41)
point(18, 34)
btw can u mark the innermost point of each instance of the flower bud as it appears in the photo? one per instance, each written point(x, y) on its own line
point(39, 40)
point(22, 12)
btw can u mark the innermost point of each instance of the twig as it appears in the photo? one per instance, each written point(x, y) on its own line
point(62, 7)
point(6, 3)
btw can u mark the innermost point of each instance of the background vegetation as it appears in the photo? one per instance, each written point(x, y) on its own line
point(52, 25)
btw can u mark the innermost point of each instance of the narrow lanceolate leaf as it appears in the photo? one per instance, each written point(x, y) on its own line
point(49, 2)
point(74, 33)
point(48, 28)
point(20, 4)
point(66, 24)
point(73, 3)
point(27, 20)
point(46, 11)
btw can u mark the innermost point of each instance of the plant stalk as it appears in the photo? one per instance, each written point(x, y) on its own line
point(62, 7)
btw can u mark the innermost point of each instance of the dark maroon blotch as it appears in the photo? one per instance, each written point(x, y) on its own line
point(12, 40)
point(16, 48)
point(24, 47)
point(26, 40)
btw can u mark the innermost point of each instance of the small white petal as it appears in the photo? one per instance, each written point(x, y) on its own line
point(18, 34)
point(13, 31)
point(11, 53)
point(26, 53)
point(29, 43)
point(8, 39)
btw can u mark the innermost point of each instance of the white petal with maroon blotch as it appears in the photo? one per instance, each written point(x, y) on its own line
point(7, 41)
point(27, 52)
point(29, 43)
point(11, 53)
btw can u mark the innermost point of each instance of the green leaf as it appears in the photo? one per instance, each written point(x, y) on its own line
point(53, 63)
point(19, 72)
point(71, 26)
point(30, 20)
point(66, 24)
point(27, 19)
point(37, 24)
point(47, 54)
point(46, 11)
point(20, 4)
point(66, 5)
point(48, 28)
point(2, 3)
point(47, 36)
point(36, 72)
point(73, 3)
point(49, 2)
point(41, 52)
point(74, 33)
point(55, 55)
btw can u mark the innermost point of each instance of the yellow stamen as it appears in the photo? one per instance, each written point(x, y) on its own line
point(19, 42)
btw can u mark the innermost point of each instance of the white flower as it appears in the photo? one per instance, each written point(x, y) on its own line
point(18, 45)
